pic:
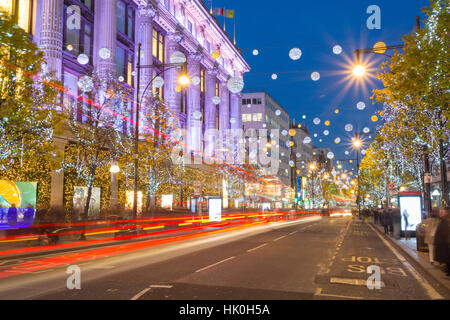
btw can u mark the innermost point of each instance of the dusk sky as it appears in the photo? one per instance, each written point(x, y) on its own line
point(273, 28)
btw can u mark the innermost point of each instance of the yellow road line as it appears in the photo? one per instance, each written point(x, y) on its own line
point(16, 240)
point(157, 227)
point(319, 293)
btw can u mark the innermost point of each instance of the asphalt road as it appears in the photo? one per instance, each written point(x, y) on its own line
point(315, 258)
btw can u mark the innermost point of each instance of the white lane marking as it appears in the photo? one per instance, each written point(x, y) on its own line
point(264, 244)
point(140, 294)
point(293, 232)
point(280, 238)
point(354, 282)
point(319, 293)
point(424, 283)
point(215, 264)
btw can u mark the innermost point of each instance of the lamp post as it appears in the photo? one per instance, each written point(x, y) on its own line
point(183, 80)
point(357, 143)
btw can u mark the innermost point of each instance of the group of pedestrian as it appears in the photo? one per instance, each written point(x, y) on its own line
point(437, 237)
point(12, 214)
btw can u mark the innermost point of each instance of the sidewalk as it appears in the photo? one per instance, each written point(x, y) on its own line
point(409, 247)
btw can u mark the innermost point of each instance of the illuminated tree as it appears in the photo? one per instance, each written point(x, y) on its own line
point(96, 128)
point(416, 95)
point(28, 113)
point(158, 143)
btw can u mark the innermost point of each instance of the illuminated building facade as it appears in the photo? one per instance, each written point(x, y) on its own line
point(81, 36)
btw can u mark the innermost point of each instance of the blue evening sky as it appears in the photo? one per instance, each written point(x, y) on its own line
point(274, 27)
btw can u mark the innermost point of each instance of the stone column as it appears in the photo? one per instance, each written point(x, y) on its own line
point(210, 110)
point(105, 30)
point(113, 201)
point(194, 122)
point(51, 39)
point(235, 112)
point(51, 43)
point(224, 108)
point(172, 97)
point(144, 36)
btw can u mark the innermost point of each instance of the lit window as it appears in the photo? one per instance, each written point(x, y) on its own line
point(22, 9)
point(257, 117)
point(6, 5)
point(246, 117)
point(158, 45)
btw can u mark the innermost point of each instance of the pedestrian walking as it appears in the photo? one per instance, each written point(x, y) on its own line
point(431, 224)
point(442, 241)
point(2, 213)
point(385, 221)
point(12, 215)
point(28, 215)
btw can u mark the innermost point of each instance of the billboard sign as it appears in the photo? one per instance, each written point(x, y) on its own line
point(215, 209)
point(79, 201)
point(410, 210)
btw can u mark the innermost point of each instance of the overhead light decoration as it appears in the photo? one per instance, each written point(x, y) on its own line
point(379, 47)
point(337, 49)
point(235, 84)
point(348, 127)
point(295, 53)
point(158, 82)
point(83, 59)
point(104, 53)
point(315, 76)
point(215, 54)
point(177, 57)
point(361, 105)
point(196, 80)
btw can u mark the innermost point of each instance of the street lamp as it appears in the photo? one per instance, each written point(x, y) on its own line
point(357, 144)
point(178, 60)
point(359, 70)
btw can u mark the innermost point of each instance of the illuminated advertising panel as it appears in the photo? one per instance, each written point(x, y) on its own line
point(17, 203)
point(215, 209)
point(167, 201)
point(410, 210)
point(79, 201)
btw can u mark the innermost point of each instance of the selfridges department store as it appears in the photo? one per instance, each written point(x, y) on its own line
point(82, 36)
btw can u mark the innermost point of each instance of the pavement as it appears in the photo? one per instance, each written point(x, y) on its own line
point(318, 258)
point(409, 248)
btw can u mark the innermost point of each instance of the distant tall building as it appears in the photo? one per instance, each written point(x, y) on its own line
point(260, 111)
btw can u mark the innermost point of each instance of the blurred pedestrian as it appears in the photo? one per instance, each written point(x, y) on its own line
point(12, 214)
point(442, 240)
point(2, 213)
point(376, 216)
point(28, 215)
point(385, 220)
point(430, 233)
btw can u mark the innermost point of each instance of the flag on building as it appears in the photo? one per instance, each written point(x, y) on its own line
point(219, 11)
point(229, 14)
